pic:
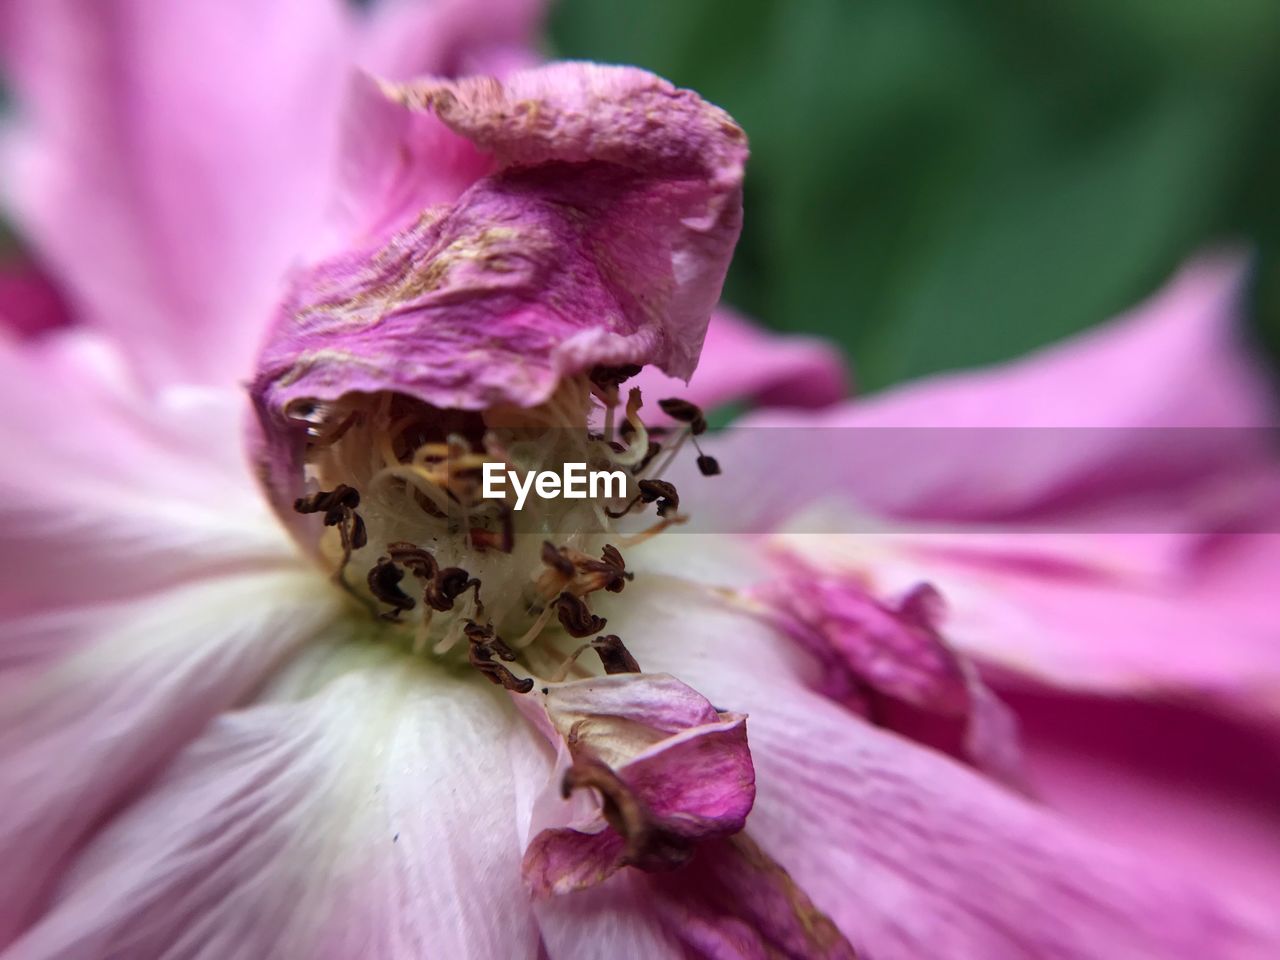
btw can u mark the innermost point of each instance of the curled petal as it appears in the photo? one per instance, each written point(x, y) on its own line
point(670, 770)
point(891, 663)
point(602, 237)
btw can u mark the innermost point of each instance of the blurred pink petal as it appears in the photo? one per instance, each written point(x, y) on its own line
point(909, 852)
point(452, 38)
point(166, 189)
point(1154, 402)
point(743, 362)
point(1180, 785)
point(889, 662)
point(374, 818)
point(29, 302)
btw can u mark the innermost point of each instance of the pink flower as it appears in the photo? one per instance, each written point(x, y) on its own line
point(374, 713)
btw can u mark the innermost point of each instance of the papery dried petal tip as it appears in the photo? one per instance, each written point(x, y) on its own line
point(600, 239)
point(670, 771)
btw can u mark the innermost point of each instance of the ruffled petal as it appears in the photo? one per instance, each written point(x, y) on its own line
point(603, 238)
point(170, 162)
point(889, 662)
point(910, 853)
point(375, 818)
point(1203, 629)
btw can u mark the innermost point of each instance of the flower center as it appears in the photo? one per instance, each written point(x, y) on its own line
point(455, 566)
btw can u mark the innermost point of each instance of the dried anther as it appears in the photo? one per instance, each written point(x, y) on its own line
point(685, 412)
point(662, 491)
point(576, 618)
point(449, 584)
point(384, 579)
point(614, 656)
point(556, 560)
point(603, 376)
point(708, 466)
point(339, 508)
point(484, 645)
point(416, 560)
point(610, 570)
point(340, 498)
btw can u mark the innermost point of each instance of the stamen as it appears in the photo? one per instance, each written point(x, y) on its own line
point(685, 412)
point(576, 617)
point(384, 579)
point(614, 656)
point(483, 646)
point(407, 477)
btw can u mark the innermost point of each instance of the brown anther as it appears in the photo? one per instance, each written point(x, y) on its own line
point(359, 535)
point(603, 376)
point(557, 561)
point(326, 501)
point(614, 656)
point(480, 656)
point(576, 617)
point(338, 506)
point(708, 466)
point(685, 412)
point(383, 579)
point(449, 584)
point(662, 491)
point(611, 570)
point(416, 560)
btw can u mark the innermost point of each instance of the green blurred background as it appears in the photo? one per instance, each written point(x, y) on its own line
point(943, 183)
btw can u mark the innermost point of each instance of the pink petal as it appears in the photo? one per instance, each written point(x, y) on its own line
point(604, 239)
point(29, 302)
point(170, 162)
point(640, 739)
point(134, 682)
point(1088, 624)
point(1177, 783)
point(452, 38)
point(890, 662)
point(110, 492)
point(910, 853)
point(734, 901)
point(376, 818)
point(743, 362)
point(1157, 402)
point(147, 588)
